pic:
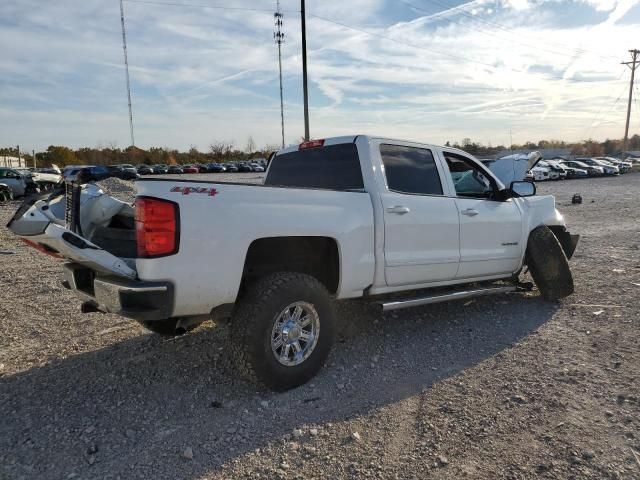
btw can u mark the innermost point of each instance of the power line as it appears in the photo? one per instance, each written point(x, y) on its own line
point(217, 7)
point(593, 125)
point(420, 47)
point(604, 103)
point(400, 42)
point(503, 28)
point(350, 27)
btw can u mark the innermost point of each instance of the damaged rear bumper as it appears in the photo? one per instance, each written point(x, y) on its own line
point(142, 301)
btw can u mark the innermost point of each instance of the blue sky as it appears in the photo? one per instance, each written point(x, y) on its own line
point(423, 70)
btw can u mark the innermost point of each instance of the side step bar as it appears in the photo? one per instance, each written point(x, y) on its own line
point(445, 297)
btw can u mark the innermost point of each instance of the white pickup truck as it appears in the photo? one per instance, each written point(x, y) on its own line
point(347, 217)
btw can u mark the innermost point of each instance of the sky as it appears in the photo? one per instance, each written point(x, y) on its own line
point(425, 70)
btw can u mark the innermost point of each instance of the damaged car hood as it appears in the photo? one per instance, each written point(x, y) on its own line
point(513, 168)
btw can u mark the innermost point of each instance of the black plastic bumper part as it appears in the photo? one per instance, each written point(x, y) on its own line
point(144, 301)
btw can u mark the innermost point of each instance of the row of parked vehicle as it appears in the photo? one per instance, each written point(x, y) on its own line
point(560, 169)
point(23, 181)
point(257, 165)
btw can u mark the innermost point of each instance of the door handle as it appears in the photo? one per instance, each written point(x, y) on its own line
point(399, 209)
point(470, 212)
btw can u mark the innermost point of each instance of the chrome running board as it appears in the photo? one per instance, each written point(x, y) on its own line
point(444, 297)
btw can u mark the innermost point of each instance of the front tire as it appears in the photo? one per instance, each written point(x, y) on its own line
point(283, 329)
point(548, 264)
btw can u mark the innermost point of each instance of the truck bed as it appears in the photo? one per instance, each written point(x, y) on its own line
point(219, 221)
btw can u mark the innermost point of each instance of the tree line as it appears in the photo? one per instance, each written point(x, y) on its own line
point(224, 151)
point(587, 148)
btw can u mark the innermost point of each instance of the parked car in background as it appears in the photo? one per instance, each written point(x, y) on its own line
point(190, 169)
point(175, 169)
point(145, 170)
point(123, 173)
point(244, 167)
point(6, 194)
point(540, 174)
point(51, 170)
point(115, 170)
point(624, 167)
point(215, 168)
point(96, 171)
point(230, 167)
point(607, 168)
point(570, 171)
point(45, 179)
point(160, 169)
point(256, 167)
point(591, 170)
point(14, 180)
point(558, 171)
point(129, 172)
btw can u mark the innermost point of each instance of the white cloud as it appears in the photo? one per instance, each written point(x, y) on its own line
point(199, 74)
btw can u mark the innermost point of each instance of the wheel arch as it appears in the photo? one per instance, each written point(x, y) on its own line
point(318, 256)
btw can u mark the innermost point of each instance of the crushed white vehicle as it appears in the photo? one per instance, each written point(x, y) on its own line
point(394, 223)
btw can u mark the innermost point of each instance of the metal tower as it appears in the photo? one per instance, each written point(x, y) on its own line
point(278, 36)
point(126, 68)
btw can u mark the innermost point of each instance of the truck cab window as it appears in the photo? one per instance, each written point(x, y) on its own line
point(468, 179)
point(333, 167)
point(410, 170)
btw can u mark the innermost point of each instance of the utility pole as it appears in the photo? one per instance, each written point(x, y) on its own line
point(304, 71)
point(126, 68)
point(33, 152)
point(279, 38)
point(19, 160)
point(635, 60)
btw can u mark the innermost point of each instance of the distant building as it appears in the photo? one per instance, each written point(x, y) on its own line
point(547, 153)
point(11, 162)
point(631, 154)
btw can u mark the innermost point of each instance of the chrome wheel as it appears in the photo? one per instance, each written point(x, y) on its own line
point(295, 333)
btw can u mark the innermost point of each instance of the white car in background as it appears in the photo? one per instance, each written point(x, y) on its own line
point(540, 174)
point(624, 167)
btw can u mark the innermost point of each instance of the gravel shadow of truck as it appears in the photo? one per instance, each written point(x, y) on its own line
point(130, 409)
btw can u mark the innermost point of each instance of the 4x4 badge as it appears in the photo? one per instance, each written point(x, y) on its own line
point(212, 192)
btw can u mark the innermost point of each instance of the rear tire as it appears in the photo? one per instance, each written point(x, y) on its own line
point(548, 264)
point(282, 330)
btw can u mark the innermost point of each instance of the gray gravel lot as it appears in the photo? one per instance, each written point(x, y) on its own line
point(503, 387)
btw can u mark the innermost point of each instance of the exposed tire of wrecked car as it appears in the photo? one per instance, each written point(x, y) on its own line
point(251, 329)
point(548, 264)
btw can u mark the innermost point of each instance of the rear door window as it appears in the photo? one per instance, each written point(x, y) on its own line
point(410, 170)
point(334, 167)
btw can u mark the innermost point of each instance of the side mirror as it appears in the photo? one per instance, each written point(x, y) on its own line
point(522, 189)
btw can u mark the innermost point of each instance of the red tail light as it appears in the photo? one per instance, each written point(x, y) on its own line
point(311, 144)
point(157, 227)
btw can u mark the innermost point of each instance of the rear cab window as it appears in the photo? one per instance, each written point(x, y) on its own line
point(410, 170)
point(331, 167)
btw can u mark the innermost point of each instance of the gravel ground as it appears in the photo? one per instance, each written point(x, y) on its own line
point(502, 387)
